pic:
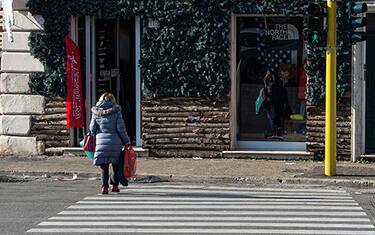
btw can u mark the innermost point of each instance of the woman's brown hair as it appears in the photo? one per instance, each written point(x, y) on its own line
point(108, 96)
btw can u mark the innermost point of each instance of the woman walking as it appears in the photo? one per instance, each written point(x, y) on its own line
point(107, 124)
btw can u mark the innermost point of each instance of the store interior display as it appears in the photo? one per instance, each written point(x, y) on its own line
point(272, 84)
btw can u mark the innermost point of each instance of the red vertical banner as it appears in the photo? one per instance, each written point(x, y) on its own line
point(74, 97)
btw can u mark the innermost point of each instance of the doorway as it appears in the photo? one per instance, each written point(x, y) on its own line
point(110, 54)
point(370, 86)
point(270, 83)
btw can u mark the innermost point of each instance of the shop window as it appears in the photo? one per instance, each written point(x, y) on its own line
point(271, 79)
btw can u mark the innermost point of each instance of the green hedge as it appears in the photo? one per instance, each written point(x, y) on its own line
point(188, 55)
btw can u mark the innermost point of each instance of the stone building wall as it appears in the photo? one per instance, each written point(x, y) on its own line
point(17, 104)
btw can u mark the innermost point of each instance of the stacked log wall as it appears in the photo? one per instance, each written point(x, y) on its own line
point(50, 128)
point(315, 128)
point(190, 127)
point(185, 127)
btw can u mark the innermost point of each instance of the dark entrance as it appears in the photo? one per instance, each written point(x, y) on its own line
point(115, 63)
point(370, 85)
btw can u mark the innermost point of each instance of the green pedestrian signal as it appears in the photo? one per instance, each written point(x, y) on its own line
point(315, 39)
point(315, 23)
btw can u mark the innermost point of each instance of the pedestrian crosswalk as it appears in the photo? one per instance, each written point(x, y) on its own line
point(182, 209)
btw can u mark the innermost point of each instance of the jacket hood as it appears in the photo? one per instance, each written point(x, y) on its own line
point(104, 108)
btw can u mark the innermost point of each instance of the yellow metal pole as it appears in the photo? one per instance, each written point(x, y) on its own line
point(330, 140)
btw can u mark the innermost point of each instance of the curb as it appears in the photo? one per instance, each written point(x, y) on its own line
point(143, 178)
point(49, 174)
point(364, 183)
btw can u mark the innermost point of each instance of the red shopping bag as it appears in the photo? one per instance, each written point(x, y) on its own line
point(130, 162)
point(89, 143)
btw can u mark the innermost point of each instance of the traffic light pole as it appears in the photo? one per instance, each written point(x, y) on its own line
point(330, 138)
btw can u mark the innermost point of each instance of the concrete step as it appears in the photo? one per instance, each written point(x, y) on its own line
point(74, 151)
point(269, 155)
point(54, 151)
point(79, 151)
point(368, 157)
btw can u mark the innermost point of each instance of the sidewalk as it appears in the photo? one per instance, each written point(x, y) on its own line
point(202, 170)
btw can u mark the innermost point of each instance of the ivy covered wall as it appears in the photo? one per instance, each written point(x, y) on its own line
point(187, 55)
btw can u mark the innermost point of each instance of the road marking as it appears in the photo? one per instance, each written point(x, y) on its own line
point(216, 212)
point(210, 210)
point(198, 231)
point(211, 218)
point(252, 193)
point(168, 186)
point(218, 203)
point(209, 199)
point(219, 207)
point(206, 224)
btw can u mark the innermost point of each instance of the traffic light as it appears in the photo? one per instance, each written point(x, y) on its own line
point(315, 23)
point(357, 22)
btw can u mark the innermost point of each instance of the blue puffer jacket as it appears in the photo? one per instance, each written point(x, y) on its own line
point(109, 127)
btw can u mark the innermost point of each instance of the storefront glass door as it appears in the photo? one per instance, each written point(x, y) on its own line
point(110, 51)
point(271, 83)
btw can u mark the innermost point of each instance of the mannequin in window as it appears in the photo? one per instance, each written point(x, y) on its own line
point(279, 99)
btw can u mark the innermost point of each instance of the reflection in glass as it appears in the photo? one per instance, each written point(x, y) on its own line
point(272, 81)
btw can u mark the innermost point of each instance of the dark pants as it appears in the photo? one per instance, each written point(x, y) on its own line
point(105, 174)
point(279, 119)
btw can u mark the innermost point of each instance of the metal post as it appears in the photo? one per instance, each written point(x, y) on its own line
point(138, 82)
point(330, 140)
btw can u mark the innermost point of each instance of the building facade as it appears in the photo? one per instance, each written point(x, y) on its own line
point(362, 84)
point(179, 110)
point(18, 104)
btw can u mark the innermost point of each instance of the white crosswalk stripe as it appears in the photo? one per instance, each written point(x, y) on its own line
point(175, 209)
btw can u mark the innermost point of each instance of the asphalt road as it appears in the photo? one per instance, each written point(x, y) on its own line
point(24, 205)
point(366, 199)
